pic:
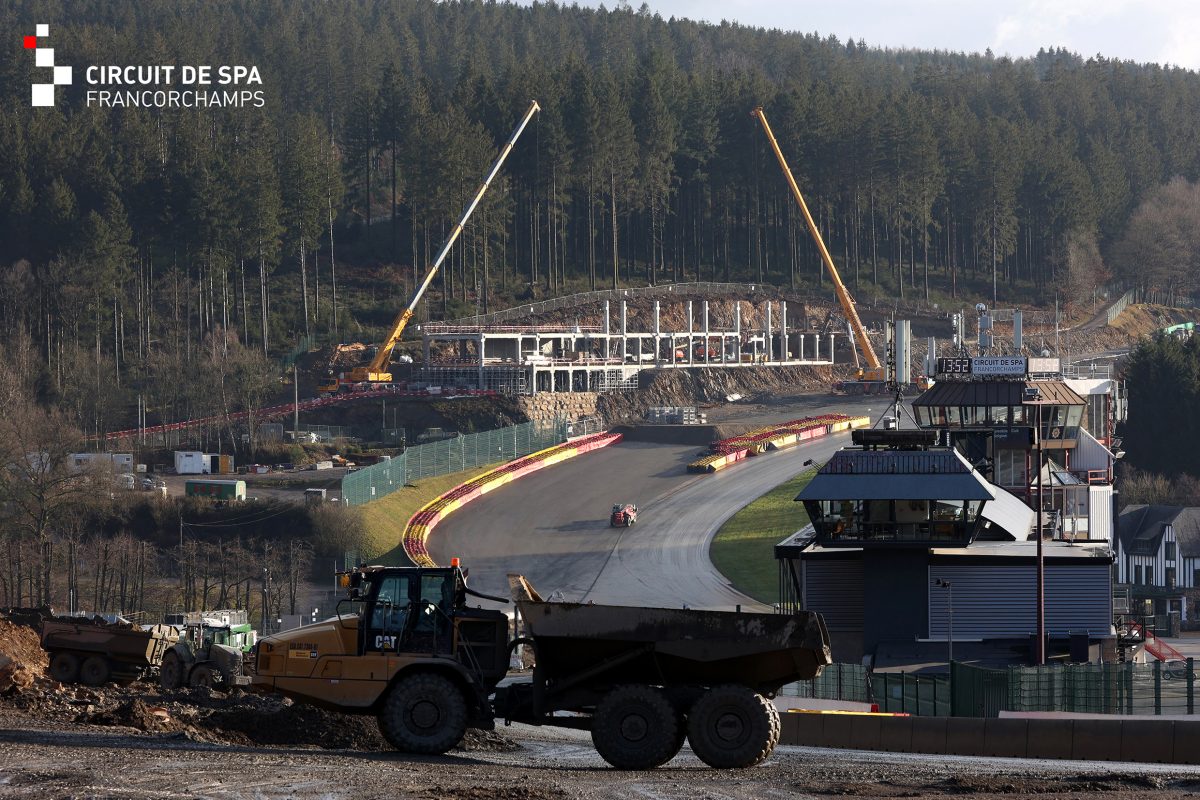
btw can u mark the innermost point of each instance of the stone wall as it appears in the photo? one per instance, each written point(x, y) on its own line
point(558, 405)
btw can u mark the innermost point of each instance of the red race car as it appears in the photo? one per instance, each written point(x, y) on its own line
point(623, 515)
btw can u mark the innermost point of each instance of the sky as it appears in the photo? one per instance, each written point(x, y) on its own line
point(1158, 31)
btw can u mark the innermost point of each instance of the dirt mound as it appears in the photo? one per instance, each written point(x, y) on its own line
point(236, 718)
point(298, 725)
point(137, 714)
point(23, 662)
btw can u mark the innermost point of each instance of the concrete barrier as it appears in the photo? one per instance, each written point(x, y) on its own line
point(1115, 739)
point(1006, 737)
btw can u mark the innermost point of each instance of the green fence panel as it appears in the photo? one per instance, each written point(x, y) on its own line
point(460, 453)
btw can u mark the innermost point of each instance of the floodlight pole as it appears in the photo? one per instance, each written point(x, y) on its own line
point(1040, 649)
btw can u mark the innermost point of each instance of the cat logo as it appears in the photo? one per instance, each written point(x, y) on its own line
point(385, 642)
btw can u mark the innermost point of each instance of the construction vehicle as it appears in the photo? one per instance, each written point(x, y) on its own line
point(94, 651)
point(209, 651)
point(623, 515)
point(377, 370)
point(409, 650)
point(870, 378)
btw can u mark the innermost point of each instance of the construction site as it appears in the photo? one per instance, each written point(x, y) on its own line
point(690, 539)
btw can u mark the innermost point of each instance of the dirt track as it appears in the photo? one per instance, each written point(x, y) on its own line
point(40, 758)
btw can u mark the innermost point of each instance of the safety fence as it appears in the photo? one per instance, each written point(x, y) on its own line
point(421, 525)
point(1157, 688)
point(748, 291)
point(773, 437)
point(450, 455)
point(1116, 308)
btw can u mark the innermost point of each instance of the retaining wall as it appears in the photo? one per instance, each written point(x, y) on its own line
point(551, 406)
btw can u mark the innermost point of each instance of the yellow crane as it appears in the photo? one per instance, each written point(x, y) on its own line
point(873, 371)
point(376, 371)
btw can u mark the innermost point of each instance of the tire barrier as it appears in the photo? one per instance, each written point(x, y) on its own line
point(421, 525)
point(773, 437)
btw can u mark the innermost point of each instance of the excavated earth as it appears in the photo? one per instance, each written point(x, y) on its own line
point(136, 742)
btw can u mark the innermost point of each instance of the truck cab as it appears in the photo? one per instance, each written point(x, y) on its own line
point(392, 622)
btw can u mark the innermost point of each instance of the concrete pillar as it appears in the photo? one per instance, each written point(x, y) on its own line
point(767, 335)
point(831, 348)
point(783, 337)
point(800, 338)
point(691, 344)
point(607, 332)
point(624, 333)
point(657, 337)
point(706, 337)
point(737, 327)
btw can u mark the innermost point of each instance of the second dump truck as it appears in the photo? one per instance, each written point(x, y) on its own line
point(410, 651)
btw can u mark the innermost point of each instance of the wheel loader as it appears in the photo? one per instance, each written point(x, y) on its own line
point(406, 647)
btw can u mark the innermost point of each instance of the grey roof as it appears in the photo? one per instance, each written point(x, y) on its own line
point(1141, 528)
point(941, 474)
point(996, 393)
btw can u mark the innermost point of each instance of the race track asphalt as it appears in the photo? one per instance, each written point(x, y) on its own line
point(552, 526)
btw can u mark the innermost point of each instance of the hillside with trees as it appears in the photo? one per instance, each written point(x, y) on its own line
point(172, 255)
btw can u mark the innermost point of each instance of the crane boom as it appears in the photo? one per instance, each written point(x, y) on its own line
point(874, 369)
point(375, 371)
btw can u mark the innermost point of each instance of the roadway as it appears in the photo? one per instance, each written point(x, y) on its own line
point(552, 526)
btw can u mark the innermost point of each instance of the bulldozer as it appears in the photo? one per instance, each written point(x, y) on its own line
point(406, 647)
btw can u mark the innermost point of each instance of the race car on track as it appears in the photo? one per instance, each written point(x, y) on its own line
point(623, 515)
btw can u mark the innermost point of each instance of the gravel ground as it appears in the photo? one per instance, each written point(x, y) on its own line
point(52, 757)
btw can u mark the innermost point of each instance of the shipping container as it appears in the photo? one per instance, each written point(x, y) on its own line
point(218, 490)
point(219, 464)
point(190, 462)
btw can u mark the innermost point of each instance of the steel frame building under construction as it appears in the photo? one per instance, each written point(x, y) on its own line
point(529, 358)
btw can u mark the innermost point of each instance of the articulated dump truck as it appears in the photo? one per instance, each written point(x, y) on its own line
point(406, 647)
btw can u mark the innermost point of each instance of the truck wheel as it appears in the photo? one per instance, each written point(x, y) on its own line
point(95, 671)
point(170, 674)
point(424, 713)
point(636, 727)
point(733, 726)
point(64, 667)
point(202, 676)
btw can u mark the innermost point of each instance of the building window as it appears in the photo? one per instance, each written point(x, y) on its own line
point(1170, 577)
point(1137, 574)
point(1169, 551)
point(1196, 578)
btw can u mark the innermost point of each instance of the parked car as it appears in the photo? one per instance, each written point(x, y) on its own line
point(623, 515)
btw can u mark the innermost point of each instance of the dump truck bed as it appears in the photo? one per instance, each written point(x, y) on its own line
point(130, 646)
point(676, 645)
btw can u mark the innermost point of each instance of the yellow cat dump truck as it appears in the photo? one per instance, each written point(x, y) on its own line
point(406, 647)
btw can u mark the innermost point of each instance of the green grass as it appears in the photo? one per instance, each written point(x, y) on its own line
point(384, 519)
point(743, 549)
